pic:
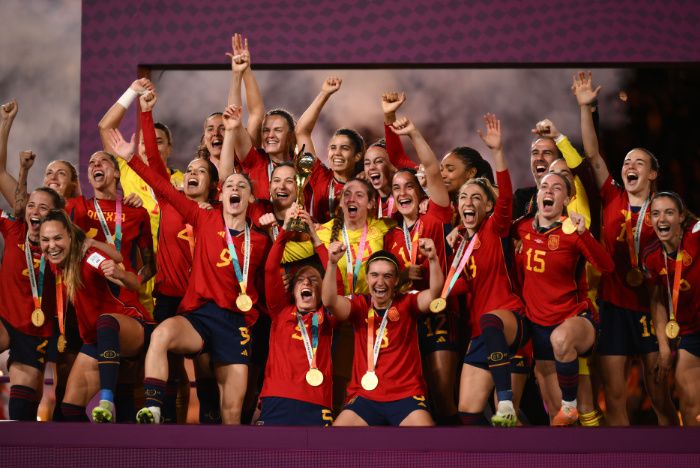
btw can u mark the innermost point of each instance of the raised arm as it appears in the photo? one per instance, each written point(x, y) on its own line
point(8, 184)
point(242, 72)
point(394, 148)
point(436, 187)
point(308, 119)
point(586, 97)
point(26, 161)
point(163, 189)
point(116, 113)
point(594, 252)
point(504, 203)
point(234, 133)
point(150, 141)
point(437, 279)
point(339, 306)
point(545, 128)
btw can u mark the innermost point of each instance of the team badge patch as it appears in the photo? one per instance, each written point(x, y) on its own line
point(687, 259)
point(553, 242)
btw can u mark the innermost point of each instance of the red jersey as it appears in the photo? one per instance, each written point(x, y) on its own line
point(16, 302)
point(136, 228)
point(95, 297)
point(287, 363)
point(485, 276)
point(549, 267)
point(326, 191)
point(399, 363)
point(259, 166)
point(213, 278)
point(432, 226)
point(613, 287)
point(688, 308)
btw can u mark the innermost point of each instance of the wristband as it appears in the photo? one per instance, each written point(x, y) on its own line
point(127, 98)
point(559, 138)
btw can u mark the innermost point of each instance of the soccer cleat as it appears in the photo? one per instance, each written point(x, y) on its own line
point(148, 415)
point(567, 416)
point(104, 412)
point(505, 416)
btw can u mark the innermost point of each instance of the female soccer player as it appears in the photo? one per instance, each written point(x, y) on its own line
point(174, 262)
point(495, 312)
point(626, 327)
point(110, 327)
point(671, 263)
point(387, 384)
point(437, 332)
point(298, 388)
point(220, 302)
point(550, 263)
point(345, 150)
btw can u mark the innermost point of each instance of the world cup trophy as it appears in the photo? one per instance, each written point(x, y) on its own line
point(303, 164)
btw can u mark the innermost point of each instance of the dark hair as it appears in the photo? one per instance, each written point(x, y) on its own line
point(283, 164)
point(166, 130)
point(412, 173)
point(690, 218)
point(58, 201)
point(72, 266)
point(213, 178)
point(358, 142)
point(242, 174)
point(383, 255)
point(339, 218)
point(380, 143)
point(289, 118)
point(472, 158)
point(558, 153)
point(202, 150)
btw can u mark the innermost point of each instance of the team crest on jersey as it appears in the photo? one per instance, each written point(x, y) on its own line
point(553, 242)
point(647, 219)
point(687, 259)
point(477, 244)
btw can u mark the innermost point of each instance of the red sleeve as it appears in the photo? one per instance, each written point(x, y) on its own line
point(607, 191)
point(503, 210)
point(595, 253)
point(252, 158)
point(149, 140)
point(165, 191)
point(276, 295)
point(397, 154)
point(358, 308)
point(441, 213)
point(145, 240)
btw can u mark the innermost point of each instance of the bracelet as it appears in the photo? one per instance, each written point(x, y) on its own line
point(127, 98)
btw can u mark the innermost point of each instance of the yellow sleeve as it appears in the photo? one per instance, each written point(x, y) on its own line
point(177, 178)
point(296, 251)
point(571, 156)
point(579, 203)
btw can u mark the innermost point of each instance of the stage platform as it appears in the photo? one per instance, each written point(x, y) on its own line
point(62, 444)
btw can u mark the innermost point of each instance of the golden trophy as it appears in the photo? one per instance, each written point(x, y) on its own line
point(303, 164)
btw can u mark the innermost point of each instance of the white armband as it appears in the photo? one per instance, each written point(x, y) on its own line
point(127, 98)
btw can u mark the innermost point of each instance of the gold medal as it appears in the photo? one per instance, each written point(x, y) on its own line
point(369, 381)
point(634, 277)
point(61, 343)
point(438, 305)
point(568, 226)
point(393, 314)
point(314, 377)
point(38, 317)
point(672, 329)
point(244, 302)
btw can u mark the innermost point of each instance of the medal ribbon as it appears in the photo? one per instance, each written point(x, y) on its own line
point(309, 345)
point(458, 263)
point(373, 345)
point(60, 310)
point(241, 276)
point(389, 208)
point(634, 237)
point(37, 289)
point(117, 240)
point(412, 244)
point(353, 273)
point(673, 296)
point(331, 198)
